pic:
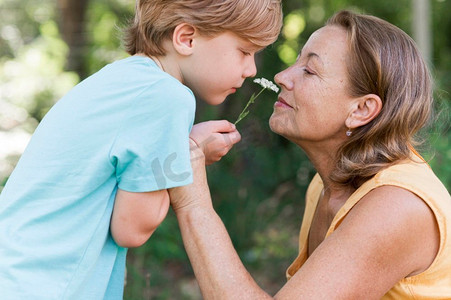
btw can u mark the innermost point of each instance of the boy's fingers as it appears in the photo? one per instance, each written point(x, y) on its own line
point(222, 126)
point(232, 137)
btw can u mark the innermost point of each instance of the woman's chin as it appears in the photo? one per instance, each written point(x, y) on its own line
point(284, 127)
point(277, 124)
point(273, 124)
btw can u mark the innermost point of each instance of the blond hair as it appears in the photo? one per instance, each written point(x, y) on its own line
point(385, 61)
point(258, 21)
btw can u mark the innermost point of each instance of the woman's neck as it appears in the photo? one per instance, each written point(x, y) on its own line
point(323, 158)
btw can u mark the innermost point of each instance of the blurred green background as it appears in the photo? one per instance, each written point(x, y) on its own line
point(46, 47)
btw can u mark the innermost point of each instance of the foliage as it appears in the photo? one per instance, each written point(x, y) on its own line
point(258, 188)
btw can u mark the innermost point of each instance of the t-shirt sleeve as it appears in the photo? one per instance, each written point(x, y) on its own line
point(151, 150)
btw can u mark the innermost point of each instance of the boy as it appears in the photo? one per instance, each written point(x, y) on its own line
point(118, 140)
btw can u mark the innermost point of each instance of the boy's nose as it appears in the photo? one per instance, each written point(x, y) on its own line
point(251, 69)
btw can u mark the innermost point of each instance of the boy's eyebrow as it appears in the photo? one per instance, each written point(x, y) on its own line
point(253, 47)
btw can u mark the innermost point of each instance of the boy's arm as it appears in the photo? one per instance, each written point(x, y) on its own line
point(137, 215)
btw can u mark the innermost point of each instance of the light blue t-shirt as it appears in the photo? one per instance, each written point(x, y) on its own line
point(127, 127)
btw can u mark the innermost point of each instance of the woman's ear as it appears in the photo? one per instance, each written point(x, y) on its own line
point(182, 38)
point(364, 110)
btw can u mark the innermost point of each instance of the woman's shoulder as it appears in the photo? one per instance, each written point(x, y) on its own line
point(416, 176)
point(409, 197)
point(402, 223)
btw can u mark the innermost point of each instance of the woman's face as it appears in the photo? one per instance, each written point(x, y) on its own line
point(314, 102)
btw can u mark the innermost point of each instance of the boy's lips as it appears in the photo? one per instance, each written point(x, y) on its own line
point(282, 103)
point(234, 89)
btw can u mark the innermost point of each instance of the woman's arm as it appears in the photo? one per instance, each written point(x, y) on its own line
point(389, 235)
point(218, 269)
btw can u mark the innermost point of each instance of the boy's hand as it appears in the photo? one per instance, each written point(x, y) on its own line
point(215, 139)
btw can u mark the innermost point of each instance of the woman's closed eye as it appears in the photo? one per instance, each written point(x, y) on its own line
point(307, 71)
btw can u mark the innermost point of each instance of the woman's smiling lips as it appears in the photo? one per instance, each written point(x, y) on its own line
point(281, 103)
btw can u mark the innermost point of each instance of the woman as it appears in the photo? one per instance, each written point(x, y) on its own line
point(377, 220)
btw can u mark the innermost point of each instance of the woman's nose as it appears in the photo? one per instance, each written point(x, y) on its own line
point(283, 79)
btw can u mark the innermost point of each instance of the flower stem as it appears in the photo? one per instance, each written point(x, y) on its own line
point(244, 112)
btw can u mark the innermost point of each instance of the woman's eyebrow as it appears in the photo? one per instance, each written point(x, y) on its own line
point(311, 55)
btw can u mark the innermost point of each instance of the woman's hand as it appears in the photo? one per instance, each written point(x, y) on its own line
point(197, 193)
point(215, 139)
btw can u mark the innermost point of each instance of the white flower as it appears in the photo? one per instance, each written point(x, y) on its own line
point(267, 84)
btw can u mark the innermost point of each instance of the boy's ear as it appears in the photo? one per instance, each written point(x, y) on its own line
point(182, 38)
point(364, 110)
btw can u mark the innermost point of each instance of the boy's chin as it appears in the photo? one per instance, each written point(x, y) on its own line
point(214, 101)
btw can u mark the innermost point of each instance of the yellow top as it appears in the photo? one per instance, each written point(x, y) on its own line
point(417, 177)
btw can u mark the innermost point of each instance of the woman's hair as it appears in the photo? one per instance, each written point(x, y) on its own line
point(258, 21)
point(383, 60)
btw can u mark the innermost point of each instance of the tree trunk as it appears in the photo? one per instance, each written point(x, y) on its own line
point(72, 28)
point(422, 28)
